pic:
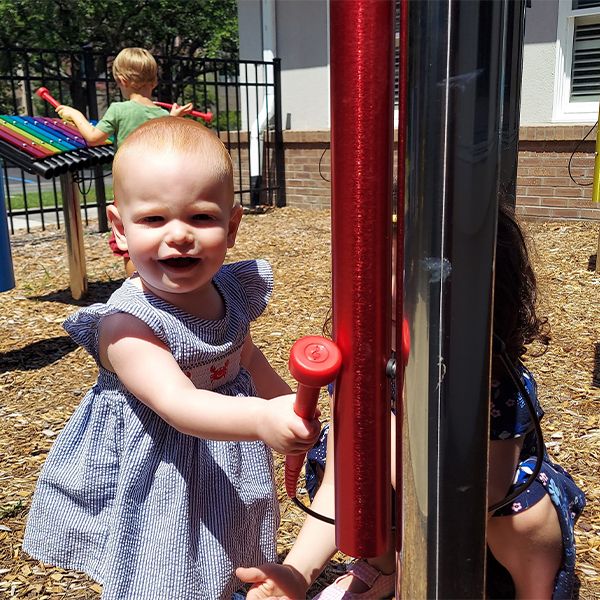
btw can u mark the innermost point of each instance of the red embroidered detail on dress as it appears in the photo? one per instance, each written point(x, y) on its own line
point(219, 373)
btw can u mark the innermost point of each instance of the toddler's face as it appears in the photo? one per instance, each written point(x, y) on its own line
point(177, 219)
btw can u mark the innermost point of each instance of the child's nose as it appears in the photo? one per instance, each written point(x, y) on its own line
point(180, 233)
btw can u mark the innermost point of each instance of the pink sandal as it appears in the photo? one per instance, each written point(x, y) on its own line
point(380, 585)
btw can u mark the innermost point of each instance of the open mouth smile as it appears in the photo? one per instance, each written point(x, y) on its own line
point(180, 262)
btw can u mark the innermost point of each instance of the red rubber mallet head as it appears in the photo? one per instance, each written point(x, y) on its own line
point(314, 362)
point(44, 94)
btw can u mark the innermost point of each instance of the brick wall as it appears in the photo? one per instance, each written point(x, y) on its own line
point(544, 188)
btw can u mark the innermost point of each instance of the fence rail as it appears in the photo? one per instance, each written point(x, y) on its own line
point(244, 97)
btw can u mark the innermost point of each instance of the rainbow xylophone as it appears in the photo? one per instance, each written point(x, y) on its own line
point(48, 147)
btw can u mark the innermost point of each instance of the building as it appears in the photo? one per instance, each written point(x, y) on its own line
point(559, 99)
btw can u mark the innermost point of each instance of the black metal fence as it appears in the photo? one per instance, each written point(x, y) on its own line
point(243, 96)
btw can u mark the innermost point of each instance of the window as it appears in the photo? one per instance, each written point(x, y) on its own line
point(577, 82)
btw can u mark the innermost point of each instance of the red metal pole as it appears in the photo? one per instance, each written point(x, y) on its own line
point(361, 151)
point(402, 328)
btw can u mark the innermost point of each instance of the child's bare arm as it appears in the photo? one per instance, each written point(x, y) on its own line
point(503, 460)
point(313, 548)
point(147, 368)
point(92, 135)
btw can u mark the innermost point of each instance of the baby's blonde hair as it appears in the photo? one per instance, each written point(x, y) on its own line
point(136, 66)
point(181, 135)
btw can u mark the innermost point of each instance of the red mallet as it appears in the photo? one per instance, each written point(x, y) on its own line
point(195, 113)
point(44, 94)
point(314, 362)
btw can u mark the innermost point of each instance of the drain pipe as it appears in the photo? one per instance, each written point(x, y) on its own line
point(269, 45)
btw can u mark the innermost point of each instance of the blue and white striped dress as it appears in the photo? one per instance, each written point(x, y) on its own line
point(147, 511)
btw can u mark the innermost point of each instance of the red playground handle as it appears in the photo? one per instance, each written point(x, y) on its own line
point(44, 94)
point(314, 362)
point(195, 113)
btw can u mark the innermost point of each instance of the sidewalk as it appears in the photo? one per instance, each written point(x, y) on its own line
point(35, 221)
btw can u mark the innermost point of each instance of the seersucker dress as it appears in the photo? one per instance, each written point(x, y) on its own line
point(149, 512)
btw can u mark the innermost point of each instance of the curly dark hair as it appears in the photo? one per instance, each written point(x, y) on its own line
point(515, 289)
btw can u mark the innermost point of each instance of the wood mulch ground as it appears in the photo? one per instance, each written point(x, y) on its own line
point(43, 375)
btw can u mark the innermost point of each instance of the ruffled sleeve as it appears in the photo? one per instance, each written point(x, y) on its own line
point(255, 278)
point(83, 326)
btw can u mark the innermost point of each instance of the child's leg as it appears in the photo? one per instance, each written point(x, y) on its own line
point(529, 545)
point(385, 564)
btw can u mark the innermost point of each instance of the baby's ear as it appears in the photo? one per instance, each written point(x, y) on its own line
point(114, 218)
point(234, 223)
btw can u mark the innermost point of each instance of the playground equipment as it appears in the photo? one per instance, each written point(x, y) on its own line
point(314, 362)
point(7, 277)
point(460, 68)
point(596, 188)
point(50, 147)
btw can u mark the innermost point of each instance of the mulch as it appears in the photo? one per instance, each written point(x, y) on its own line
point(43, 375)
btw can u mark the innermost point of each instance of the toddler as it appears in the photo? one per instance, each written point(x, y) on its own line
point(161, 483)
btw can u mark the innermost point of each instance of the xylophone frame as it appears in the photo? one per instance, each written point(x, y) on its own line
point(74, 234)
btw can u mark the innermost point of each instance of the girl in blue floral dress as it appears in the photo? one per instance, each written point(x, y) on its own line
point(532, 536)
point(161, 483)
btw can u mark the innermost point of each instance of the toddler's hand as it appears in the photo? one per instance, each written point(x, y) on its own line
point(282, 429)
point(272, 582)
point(66, 112)
point(180, 111)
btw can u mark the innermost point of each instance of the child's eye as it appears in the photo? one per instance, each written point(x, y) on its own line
point(152, 219)
point(202, 217)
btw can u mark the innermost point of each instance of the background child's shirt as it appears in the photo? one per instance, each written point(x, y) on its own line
point(122, 118)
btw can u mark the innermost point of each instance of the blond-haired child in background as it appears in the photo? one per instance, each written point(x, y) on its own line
point(136, 73)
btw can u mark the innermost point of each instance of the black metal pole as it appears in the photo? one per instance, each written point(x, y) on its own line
point(92, 104)
point(455, 99)
point(513, 70)
point(279, 148)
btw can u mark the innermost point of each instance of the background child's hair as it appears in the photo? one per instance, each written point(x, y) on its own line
point(136, 66)
point(515, 288)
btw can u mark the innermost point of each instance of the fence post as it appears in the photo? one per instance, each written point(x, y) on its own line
point(92, 103)
point(279, 149)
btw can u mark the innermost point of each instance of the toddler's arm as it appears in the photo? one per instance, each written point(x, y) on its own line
point(92, 135)
point(181, 111)
point(147, 368)
point(312, 550)
point(503, 461)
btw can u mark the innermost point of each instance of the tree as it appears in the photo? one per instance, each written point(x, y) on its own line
point(172, 30)
point(193, 28)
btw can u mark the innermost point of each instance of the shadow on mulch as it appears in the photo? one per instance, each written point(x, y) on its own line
point(37, 355)
point(592, 262)
point(596, 372)
point(98, 291)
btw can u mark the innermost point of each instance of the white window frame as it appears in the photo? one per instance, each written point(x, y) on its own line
point(563, 109)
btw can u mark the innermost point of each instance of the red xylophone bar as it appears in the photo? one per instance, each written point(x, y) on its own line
point(314, 362)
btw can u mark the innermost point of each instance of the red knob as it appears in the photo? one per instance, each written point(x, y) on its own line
point(314, 361)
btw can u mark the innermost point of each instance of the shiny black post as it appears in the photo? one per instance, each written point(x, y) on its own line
point(457, 57)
